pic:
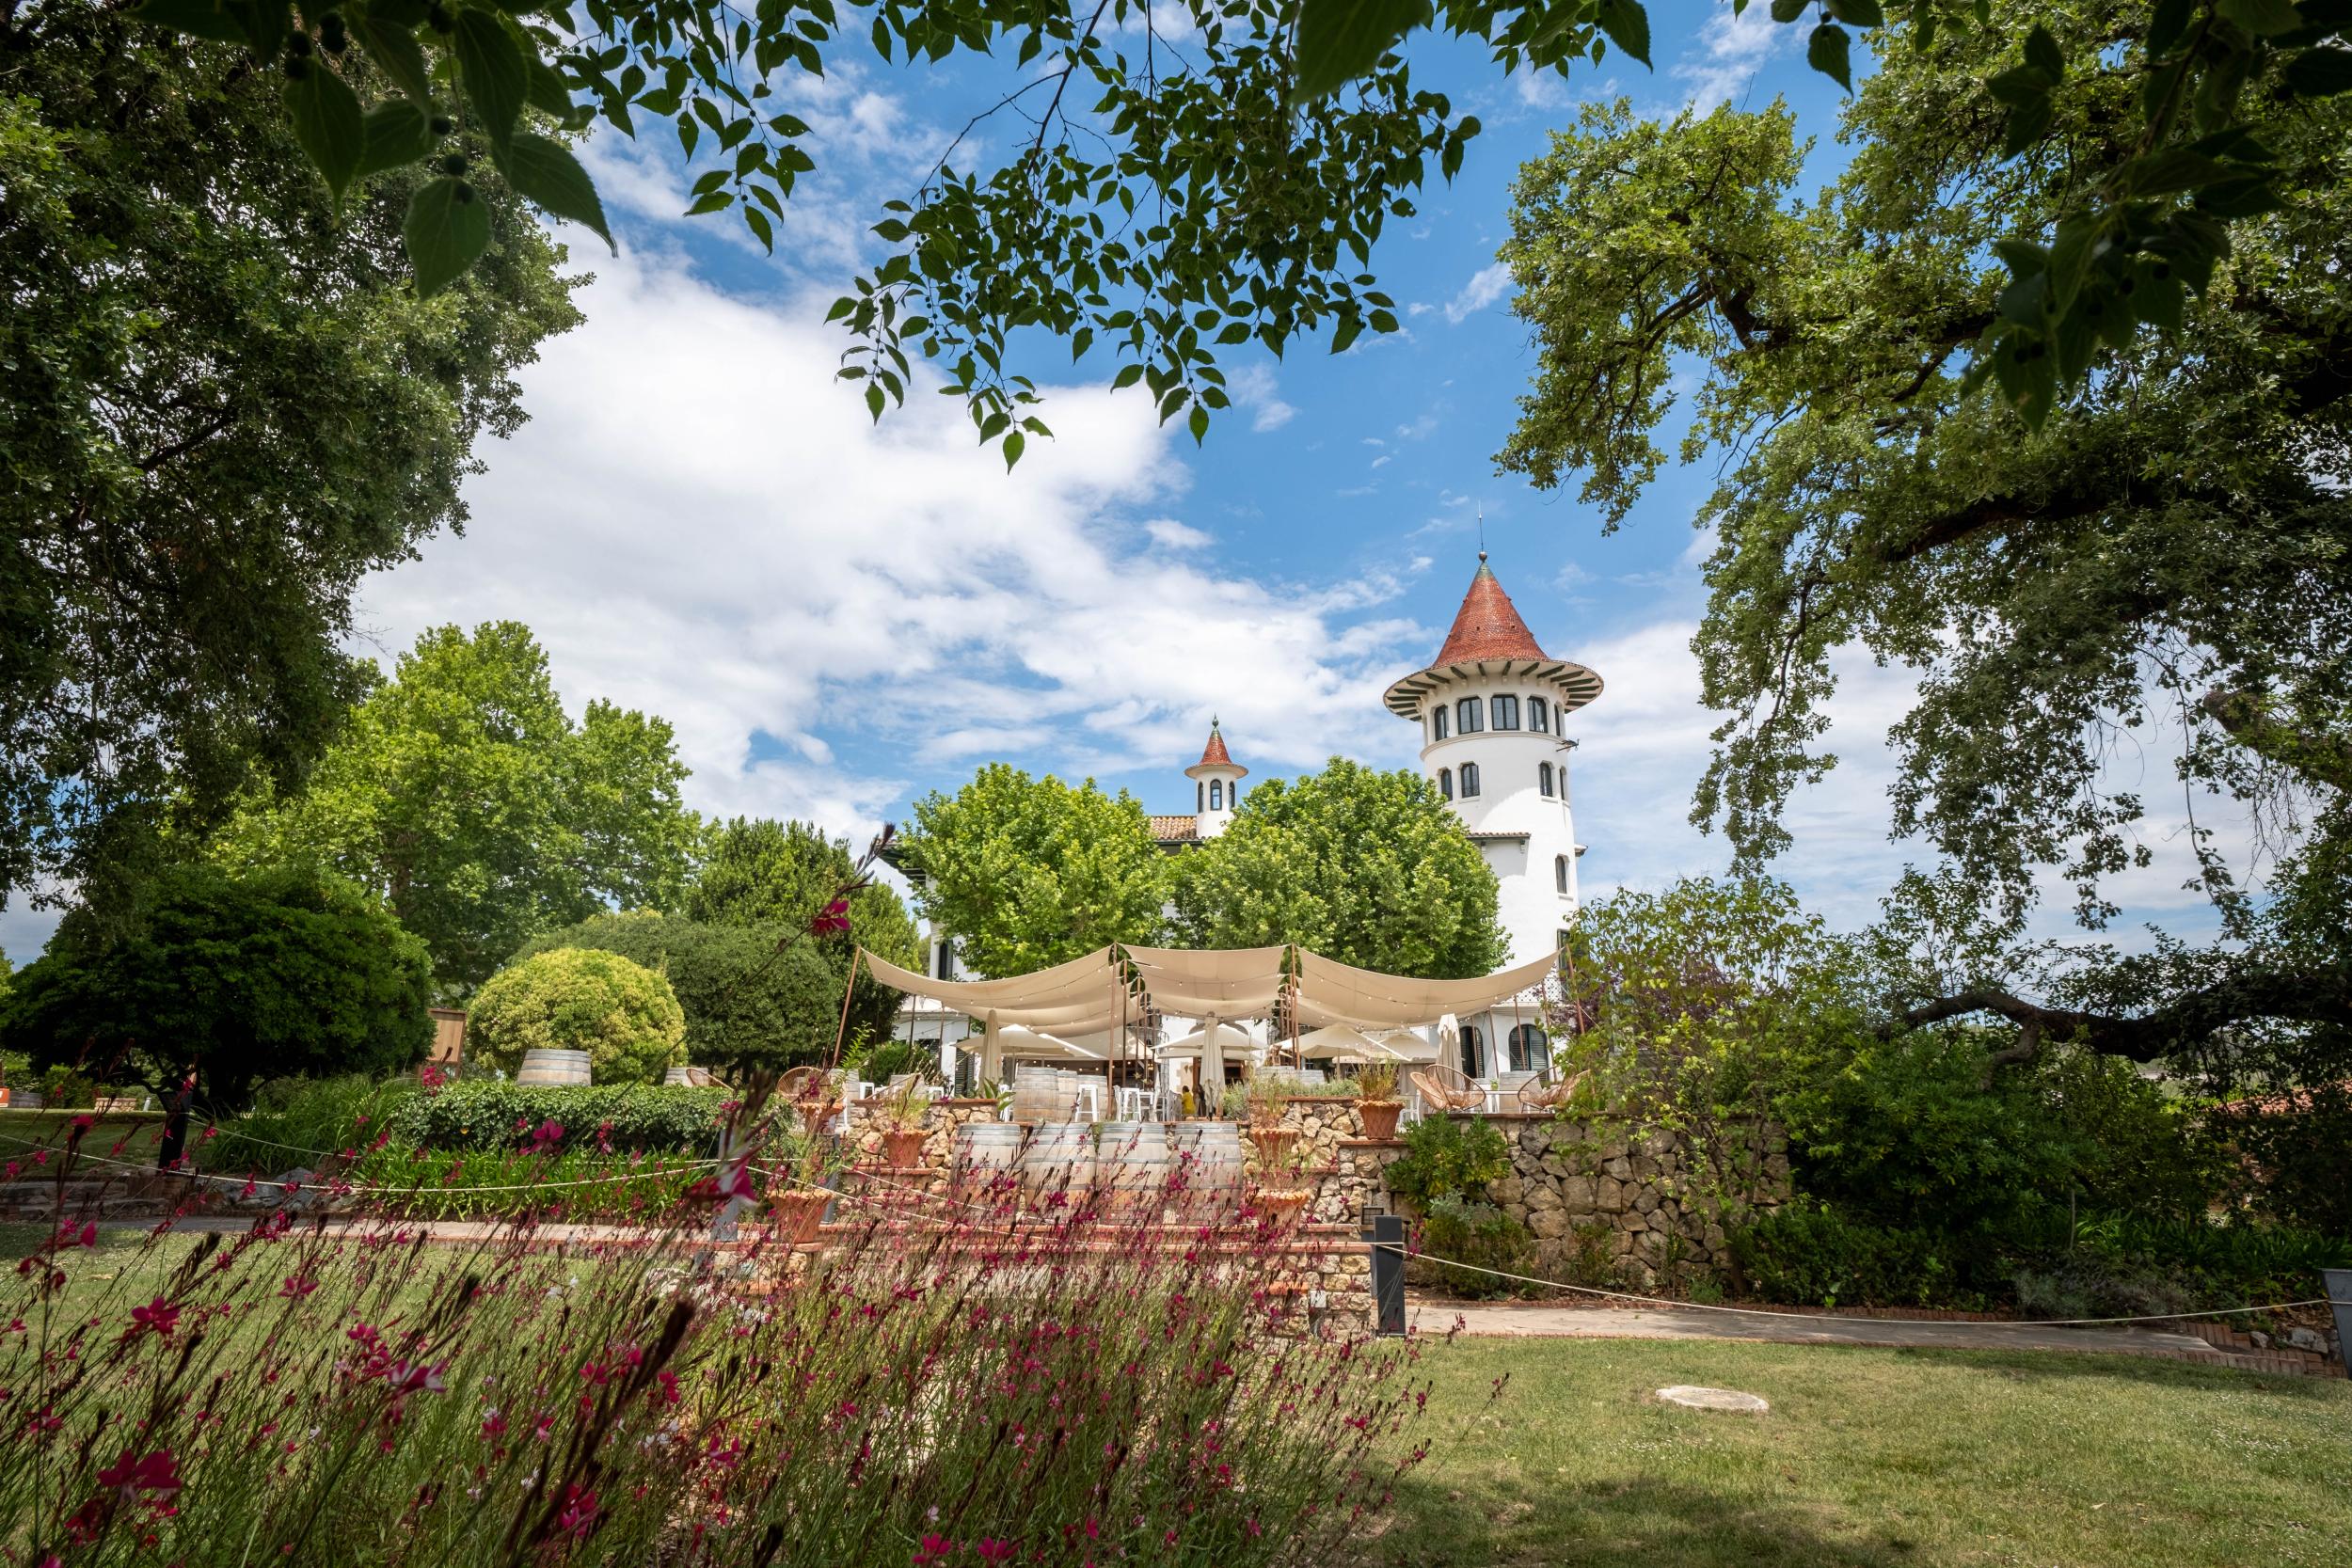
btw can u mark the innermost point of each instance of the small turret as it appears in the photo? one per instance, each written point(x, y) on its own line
point(1217, 784)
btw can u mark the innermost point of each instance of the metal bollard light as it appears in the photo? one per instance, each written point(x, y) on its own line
point(2338, 1288)
point(1386, 1235)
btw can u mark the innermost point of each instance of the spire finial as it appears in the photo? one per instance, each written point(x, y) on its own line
point(1212, 720)
point(1482, 533)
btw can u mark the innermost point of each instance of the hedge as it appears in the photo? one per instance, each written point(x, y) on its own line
point(489, 1116)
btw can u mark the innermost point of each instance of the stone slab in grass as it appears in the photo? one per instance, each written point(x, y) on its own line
point(1695, 1398)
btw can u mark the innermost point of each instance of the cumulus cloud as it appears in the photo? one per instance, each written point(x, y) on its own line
point(700, 521)
point(1730, 50)
point(1253, 389)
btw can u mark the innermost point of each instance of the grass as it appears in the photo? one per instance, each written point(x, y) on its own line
point(1870, 1457)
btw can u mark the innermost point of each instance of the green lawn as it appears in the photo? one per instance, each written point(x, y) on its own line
point(1869, 1456)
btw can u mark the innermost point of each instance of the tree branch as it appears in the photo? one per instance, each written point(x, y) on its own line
point(2185, 1020)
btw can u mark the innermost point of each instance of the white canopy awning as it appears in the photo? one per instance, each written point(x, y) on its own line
point(1333, 992)
point(1233, 982)
point(1017, 1044)
point(1337, 1042)
point(1229, 1040)
point(1084, 996)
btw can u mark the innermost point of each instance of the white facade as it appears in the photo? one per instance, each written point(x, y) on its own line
point(1510, 788)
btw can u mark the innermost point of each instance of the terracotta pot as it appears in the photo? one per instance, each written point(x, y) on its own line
point(798, 1213)
point(1273, 1144)
point(1379, 1116)
point(902, 1147)
point(1280, 1207)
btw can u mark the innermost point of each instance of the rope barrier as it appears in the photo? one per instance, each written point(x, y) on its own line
point(359, 1187)
point(1848, 1317)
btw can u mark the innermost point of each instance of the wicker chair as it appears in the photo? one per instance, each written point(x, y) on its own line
point(1548, 1089)
point(1445, 1088)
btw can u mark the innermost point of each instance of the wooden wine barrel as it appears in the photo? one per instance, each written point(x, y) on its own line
point(987, 1159)
point(569, 1067)
point(1133, 1164)
point(1209, 1158)
point(1060, 1161)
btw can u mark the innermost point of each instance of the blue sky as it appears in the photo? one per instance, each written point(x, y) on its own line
point(699, 521)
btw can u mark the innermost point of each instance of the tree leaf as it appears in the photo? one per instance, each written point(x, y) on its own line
point(2262, 18)
point(496, 78)
point(1341, 39)
point(1628, 26)
point(205, 19)
point(393, 50)
point(1013, 445)
point(2320, 72)
point(397, 132)
point(1826, 52)
point(446, 231)
point(1861, 13)
point(545, 171)
point(327, 123)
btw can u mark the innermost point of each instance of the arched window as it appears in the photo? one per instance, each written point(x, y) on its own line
point(1467, 718)
point(1445, 783)
point(1232, 795)
point(1473, 1051)
point(1470, 779)
point(1530, 1051)
point(1505, 711)
point(1199, 797)
point(1543, 779)
point(1437, 722)
point(1560, 872)
point(1538, 716)
point(1217, 794)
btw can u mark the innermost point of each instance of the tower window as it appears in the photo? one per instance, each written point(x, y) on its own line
point(1217, 794)
point(1543, 779)
point(1506, 712)
point(1232, 795)
point(1445, 783)
point(1560, 872)
point(1467, 718)
point(1470, 779)
point(1199, 797)
point(1437, 721)
point(1538, 715)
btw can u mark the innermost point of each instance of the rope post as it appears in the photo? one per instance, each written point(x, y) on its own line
point(1386, 1238)
point(2338, 1290)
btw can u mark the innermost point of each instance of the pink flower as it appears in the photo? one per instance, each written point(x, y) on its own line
point(994, 1550)
point(298, 1286)
point(414, 1377)
point(832, 920)
point(153, 1472)
point(547, 1134)
point(493, 1426)
point(579, 1514)
point(159, 1315)
point(935, 1548)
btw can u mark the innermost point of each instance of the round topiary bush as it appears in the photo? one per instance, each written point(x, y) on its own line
point(623, 1014)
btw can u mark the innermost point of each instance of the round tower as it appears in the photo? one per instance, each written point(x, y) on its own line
point(1216, 785)
point(1492, 707)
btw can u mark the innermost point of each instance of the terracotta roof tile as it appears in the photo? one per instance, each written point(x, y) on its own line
point(1486, 626)
point(1214, 753)
point(1168, 829)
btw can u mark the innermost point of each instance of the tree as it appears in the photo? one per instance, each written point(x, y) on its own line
point(2169, 548)
point(754, 997)
point(462, 795)
point(216, 982)
point(1367, 867)
point(1268, 139)
point(1029, 872)
point(223, 408)
point(759, 873)
point(623, 1014)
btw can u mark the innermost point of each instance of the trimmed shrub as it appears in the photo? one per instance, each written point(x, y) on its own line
point(623, 1014)
point(297, 1121)
point(482, 1116)
point(1810, 1255)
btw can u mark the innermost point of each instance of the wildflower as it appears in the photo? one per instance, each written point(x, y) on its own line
point(545, 1136)
point(409, 1378)
point(994, 1550)
point(935, 1548)
point(159, 1315)
point(493, 1425)
point(298, 1286)
point(579, 1514)
point(157, 1472)
point(832, 920)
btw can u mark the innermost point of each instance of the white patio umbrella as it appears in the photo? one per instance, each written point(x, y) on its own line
point(1016, 1043)
point(1337, 1042)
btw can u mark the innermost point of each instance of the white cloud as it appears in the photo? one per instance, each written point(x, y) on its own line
point(1170, 534)
point(1731, 49)
point(701, 521)
point(1488, 285)
point(1252, 388)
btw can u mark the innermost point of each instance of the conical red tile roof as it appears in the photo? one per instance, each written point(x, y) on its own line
point(1213, 753)
point(1486, 627)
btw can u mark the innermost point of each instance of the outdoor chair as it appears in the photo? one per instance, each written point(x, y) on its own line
point(1548, 1089)
point(1446, 1088)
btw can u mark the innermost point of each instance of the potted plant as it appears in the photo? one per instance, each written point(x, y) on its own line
point(798, 1197)
point(1283, 1188)
point(1376, 1100)
point(903, 1133)
point(1264, 1098)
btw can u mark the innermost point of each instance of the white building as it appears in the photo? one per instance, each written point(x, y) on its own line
point(1492, 707)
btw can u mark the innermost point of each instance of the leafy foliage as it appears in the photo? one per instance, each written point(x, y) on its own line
point(230, 979)
point(623, 1014)
point(1367, 867)
point(482, 1115)
point(1478, 1234)
point(464, 794)
point(754, 997)
point(223, 409)
point(1449, 1157)
point(1030, 872)
point(1211, 188)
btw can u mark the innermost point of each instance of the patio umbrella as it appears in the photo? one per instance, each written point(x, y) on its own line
point(1212, 1063)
